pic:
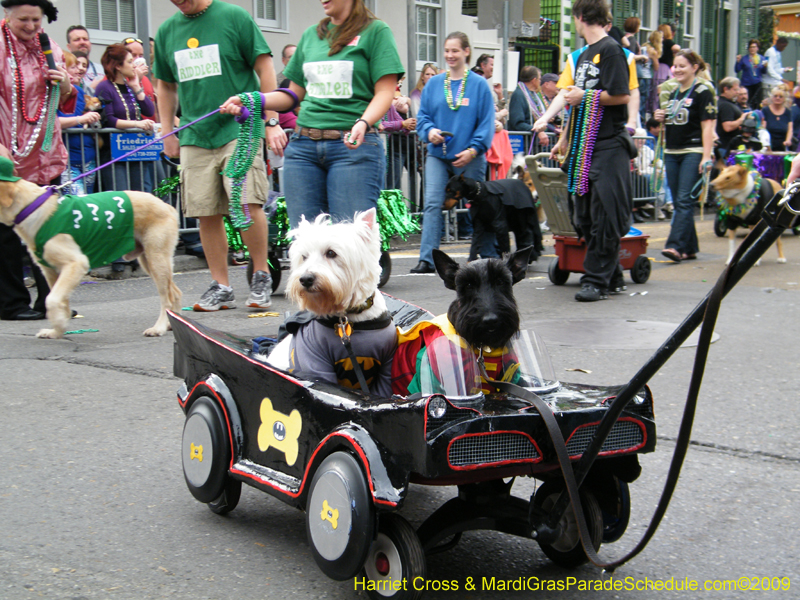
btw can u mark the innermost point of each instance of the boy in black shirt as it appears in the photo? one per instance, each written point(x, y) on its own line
point(602, 214)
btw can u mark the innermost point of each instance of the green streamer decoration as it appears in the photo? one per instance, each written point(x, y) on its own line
point(235, 241)
point(393, 218)
point(247, 146)
point(281, 221)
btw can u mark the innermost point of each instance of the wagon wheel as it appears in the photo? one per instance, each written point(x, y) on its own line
point(395, 555)
point(274, 270)
point(557, 275)
point(229, 498)
point(720, 227)
point(640, 272)
point(205, 451)
point(386, 269)
point(614, 525)
point(567, 550)
point(340, 519)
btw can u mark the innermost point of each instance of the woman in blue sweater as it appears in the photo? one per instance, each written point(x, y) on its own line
point(750, 68)
point(460, 103)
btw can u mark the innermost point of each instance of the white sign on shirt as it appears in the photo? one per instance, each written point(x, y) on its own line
point(329, 79)
point(197, 63)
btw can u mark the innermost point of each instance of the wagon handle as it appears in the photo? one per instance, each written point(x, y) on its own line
point(779, 214)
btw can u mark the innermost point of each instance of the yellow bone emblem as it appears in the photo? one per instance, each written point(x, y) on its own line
point(196, 452)
point(279, 431)
point(329, 514)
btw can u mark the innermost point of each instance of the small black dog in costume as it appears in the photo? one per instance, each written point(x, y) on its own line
point(499, 207)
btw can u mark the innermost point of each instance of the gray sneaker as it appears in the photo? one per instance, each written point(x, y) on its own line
point(260, 289)
point(215, 298)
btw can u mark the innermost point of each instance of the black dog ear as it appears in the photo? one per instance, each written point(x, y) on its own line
point(518, 263)
point(446, 267)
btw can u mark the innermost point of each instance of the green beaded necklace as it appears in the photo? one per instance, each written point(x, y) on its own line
point(448, 92)
point(247, 146)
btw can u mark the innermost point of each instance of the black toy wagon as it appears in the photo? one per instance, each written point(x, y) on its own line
point(347, 458)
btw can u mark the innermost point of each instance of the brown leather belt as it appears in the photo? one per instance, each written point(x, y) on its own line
point(324, 134)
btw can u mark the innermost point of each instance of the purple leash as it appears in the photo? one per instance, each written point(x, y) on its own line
point(243, 116)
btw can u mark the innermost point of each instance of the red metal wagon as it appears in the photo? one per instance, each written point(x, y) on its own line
point(551, 185)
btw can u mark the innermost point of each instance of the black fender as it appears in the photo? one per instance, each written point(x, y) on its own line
point(214, 387)
point(388, 484)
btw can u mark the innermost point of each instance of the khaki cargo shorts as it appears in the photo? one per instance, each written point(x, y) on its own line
point(205, 190)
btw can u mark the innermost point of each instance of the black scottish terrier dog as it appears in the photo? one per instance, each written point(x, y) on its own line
point(485, 311)
point(498, 207)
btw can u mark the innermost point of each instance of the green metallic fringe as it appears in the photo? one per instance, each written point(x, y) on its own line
point(281, 221)
point(170, 185)
point(235, 241)
point(393, 218)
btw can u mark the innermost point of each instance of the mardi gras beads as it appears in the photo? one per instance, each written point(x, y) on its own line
point(248, 143)
point(448, 92)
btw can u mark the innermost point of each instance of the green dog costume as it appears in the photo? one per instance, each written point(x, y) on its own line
point(101, 224)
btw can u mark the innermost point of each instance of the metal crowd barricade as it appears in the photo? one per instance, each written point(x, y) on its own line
point(405, 170)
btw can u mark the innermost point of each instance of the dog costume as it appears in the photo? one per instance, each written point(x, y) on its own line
point(752, 207)
point(502, 206)
point(409, 360)
point(101, 224)
point(317, 348)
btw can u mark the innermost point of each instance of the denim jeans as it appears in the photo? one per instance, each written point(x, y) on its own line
point(683, 171)
point(325, 176)
point(437, 172)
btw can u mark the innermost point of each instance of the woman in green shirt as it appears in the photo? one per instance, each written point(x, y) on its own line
point(344, 73)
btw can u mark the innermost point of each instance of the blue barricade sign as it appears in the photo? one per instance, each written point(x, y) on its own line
point(517, 144)
point(122, 143)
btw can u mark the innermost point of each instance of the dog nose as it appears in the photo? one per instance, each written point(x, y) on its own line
point(307, 280)
point(491, 322)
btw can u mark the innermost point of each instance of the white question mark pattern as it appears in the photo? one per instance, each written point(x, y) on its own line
point(94, 208)
point(78, 216)
point(109, 218)
point(120, 202)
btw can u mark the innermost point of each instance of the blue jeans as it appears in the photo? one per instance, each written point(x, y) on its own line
point(644, 94)
point(683, 171)
point(325, 176)
point(437, 172)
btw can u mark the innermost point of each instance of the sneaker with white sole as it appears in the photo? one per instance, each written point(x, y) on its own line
point(617, 285)
point(215, 298)
point(260, 290)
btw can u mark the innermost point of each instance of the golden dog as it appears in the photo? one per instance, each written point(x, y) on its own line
point(735, 185)
point(155, 233)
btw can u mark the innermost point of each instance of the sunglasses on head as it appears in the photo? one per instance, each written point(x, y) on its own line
point(132, 40)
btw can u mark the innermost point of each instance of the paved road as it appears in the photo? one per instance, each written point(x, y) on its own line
point(94, 505)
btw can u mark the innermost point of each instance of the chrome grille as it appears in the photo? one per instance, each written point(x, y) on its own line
point(624, 435)
point(491, 448)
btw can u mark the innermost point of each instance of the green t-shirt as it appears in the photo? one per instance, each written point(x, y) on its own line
point(339, 87)
point(101, 224)
point(211, 58)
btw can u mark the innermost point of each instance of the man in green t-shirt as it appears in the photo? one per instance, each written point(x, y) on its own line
point(205, 53)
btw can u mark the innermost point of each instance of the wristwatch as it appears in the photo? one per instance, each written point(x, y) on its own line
point(273, 122)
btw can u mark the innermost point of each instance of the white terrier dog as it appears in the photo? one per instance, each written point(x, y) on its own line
point(334, 278)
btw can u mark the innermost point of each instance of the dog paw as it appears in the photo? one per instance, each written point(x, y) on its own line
point(49, 334)
point(155, 332)
point(781, 260)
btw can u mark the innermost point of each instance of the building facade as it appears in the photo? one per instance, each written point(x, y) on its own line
point(717, 29)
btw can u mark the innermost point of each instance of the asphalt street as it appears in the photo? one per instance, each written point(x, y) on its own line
point(93, 503)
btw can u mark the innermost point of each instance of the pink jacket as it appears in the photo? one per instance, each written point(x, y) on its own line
point(37, 167)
